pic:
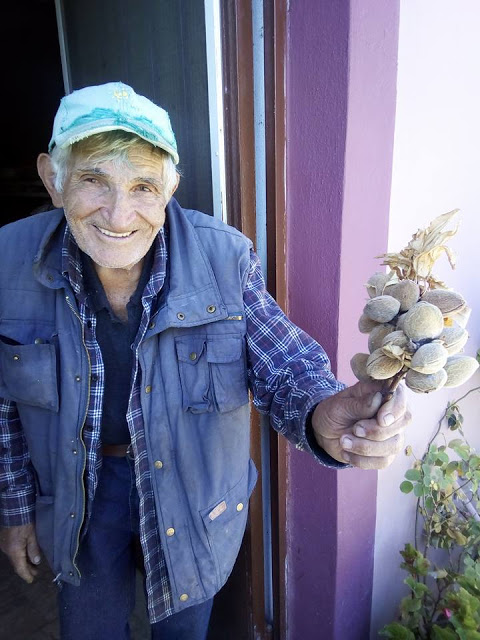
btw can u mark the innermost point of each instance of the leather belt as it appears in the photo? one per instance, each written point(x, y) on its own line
point(117, 450)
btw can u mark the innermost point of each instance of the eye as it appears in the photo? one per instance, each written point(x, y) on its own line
point(90, 179)
point(144, 188)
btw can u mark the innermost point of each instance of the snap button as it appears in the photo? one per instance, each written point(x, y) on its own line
point(193, 356)
point(170, 532)
point(211, 308)
point(184, 597)
point(148, 389)
point(38, 341)
point(16, 357)
point(70, 573)
point(72, 515)
point(151, 325)
point(78, 378)
point(158, 464)
point(74, 451)
point(180, 315)
point(240, 506)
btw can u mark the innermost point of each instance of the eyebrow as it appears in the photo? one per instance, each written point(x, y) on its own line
point(149, 180)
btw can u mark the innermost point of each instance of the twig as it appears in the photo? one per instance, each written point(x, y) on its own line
point(392, 383)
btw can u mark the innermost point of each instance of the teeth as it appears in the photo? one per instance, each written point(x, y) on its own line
point(112, 234)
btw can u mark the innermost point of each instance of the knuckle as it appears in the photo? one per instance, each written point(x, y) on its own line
point(363, 447)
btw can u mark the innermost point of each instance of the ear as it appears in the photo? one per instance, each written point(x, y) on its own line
point(176, 185)
point(47, 175)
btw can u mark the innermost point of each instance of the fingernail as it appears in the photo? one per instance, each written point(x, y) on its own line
point(360, 432)
point(388, 419)
point(36, 560)
point(347, 443)
point(376, 400)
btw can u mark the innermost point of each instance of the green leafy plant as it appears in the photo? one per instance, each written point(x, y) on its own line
point(443, 564)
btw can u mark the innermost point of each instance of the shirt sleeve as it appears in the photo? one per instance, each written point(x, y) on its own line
point(17, 487)
point(289, 372)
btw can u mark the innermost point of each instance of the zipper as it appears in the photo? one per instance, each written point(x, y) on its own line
point(67, 298)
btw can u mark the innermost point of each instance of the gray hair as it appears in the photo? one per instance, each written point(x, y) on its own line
point(110, 146)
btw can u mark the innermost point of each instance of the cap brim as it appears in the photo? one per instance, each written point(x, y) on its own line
point(80, 133)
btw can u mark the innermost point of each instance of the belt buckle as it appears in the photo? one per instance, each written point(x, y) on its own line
point(129, 452)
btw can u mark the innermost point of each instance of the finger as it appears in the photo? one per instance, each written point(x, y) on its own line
point(33, 550)
point(369, 462)
point(21, 566)
point(371, 430)
point(389, 412)
point(356, 407)
point(371, 448)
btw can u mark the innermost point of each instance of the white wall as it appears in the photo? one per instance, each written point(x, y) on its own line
point(435, 169)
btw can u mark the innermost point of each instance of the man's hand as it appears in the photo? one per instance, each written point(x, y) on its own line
point(20, 545)
point(353, 426)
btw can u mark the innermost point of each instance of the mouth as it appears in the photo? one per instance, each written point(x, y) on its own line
point(113, 234)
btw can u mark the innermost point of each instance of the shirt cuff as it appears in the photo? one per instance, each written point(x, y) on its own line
point(17, 506)
point(309, 442)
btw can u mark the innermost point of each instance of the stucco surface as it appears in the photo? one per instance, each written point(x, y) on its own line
point(435, 170)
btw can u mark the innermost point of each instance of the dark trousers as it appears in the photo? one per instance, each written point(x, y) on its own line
point(101, 606)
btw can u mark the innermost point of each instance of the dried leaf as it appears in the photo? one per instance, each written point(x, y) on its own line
point(417, 259)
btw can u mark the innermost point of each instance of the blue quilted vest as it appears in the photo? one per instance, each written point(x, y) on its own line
point(196, 416)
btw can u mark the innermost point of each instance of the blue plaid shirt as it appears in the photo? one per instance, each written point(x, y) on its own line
point(286, 368)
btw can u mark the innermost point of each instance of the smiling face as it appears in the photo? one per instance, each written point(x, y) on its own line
point(114, 201)
point(116, 208)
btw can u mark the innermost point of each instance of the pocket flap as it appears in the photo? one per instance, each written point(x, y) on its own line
point(222, 349)
point(190, 349)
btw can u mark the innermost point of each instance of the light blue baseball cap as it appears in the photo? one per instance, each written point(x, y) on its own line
point(107, 107)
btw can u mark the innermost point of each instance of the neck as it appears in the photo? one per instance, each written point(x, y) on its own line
point(119, 285)
point(119, 278)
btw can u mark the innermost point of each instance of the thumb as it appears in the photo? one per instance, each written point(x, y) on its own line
point(356, 408)
point(33, 550)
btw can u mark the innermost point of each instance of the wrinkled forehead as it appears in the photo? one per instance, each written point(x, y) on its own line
point(111, 157)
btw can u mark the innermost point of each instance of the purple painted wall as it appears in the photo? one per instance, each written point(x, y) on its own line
point(340, 117)
point(317, 98)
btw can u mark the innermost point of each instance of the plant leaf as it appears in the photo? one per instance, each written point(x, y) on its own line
point(397, 631)
point(406, 487)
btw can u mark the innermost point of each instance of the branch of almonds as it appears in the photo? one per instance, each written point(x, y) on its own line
point(416, 325)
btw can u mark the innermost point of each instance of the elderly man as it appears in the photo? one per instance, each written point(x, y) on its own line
point(131, 331)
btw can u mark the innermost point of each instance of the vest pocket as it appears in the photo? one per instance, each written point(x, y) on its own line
point(212, 373)
point(28, 374)
point(194, 377)
point(225, 522)
point(228, 372)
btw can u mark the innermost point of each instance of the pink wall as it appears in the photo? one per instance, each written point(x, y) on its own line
point(435, 169)
point(340, 117)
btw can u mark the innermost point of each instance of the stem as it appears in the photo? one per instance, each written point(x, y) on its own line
point(392, 383)
point(468, 504)
point(443, 417)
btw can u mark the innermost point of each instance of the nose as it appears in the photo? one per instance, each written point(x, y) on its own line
point(120, 212)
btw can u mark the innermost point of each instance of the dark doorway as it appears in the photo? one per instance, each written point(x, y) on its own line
point(32, 88)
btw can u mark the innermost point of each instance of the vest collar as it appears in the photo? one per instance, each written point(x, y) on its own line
point(193, 297)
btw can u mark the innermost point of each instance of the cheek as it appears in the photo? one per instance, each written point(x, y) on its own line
point(77, 209)
point(154, 217)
